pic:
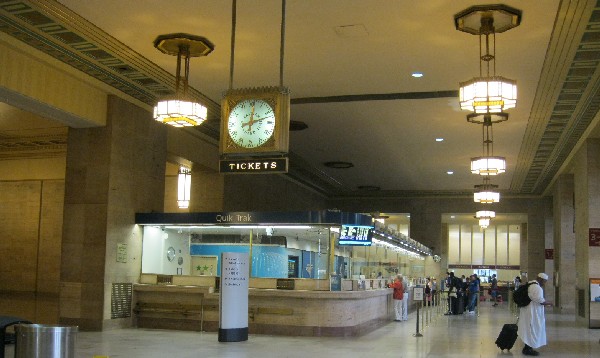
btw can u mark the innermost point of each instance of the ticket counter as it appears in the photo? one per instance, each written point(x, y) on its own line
point(310, 272)
point(310, 309)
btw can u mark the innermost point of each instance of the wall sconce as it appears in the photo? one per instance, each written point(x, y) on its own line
point(184, 186)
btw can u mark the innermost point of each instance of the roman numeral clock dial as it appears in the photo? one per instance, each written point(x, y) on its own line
point(251, 123)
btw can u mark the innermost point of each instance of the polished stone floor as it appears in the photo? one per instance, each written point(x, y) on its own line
point(444, 336)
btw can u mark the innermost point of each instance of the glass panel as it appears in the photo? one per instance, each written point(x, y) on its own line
point(453, 244)
point(465, 244)
point(359, 261)
point(514, 244)
point(382, 261)
point(477, 246)
point(502, 245)
point(489, 241)
point(276, 252)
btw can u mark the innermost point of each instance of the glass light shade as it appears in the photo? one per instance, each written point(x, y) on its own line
point(179, 113)
point(488, 94)
point(485, 214)
point(488, 165)
point(184, 186)
point(486, 197)
point(484, 223)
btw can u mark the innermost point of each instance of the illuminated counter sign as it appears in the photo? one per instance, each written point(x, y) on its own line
point(356, 235)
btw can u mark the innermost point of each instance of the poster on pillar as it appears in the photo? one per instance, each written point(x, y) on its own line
point(233, 300)
point(595, 303)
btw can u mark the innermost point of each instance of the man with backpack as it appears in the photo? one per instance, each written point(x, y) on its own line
point(532, 322)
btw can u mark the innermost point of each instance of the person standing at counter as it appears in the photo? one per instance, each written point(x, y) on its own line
point(404, 299)
point(398, 296)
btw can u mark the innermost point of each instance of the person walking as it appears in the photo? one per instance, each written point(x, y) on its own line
point(532, 321)
point(398, 295)
point(494, 290)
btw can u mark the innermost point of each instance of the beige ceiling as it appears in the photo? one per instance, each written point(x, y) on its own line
point(348, 64)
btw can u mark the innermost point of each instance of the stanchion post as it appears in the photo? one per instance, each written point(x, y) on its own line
point(418, 334)
point(418, 295)
point(423, 318)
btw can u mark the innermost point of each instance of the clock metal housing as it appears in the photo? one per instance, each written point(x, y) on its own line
point(236, 115)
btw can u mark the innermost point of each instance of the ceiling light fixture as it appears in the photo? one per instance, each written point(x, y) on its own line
point(368, 188)
point(485, 214)
point(484, 223)
point(488, 164)
point(484, 217)
point(179, 110)
point(338, 165)
point(485, 193)
point(487, 93)
point(417, 74)
point(439, 139)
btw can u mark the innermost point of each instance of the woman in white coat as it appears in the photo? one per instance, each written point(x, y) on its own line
point(532, 321)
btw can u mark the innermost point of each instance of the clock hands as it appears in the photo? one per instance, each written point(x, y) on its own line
point(252, 120)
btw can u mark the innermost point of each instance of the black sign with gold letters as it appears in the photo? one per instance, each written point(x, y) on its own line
point(253, 166)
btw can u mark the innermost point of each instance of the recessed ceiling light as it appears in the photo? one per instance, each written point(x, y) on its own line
point(298, 126)
point(338, 165)
point(417, 74)
point(368, 188)
point(449, 172)
point(452, 216)
point(351, 31)
point(439, 139)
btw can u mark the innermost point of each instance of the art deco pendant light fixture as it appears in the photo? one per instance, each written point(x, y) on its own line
point(486, 193)
point(488, 93)
point(484, 217)
point(180, 110)
point(488, 164)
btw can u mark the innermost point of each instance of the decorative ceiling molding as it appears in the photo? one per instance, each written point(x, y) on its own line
point(567, 98)
point(45, 143)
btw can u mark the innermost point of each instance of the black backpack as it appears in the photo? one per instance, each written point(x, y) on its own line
point(521, 295)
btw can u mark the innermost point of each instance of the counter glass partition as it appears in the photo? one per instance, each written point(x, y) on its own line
point(276, 251)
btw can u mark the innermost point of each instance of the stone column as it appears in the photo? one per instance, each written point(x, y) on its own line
point(587, 215)
point(112, 173)
point(564, 244)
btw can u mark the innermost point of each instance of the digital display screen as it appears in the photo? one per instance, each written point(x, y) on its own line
point(356, 235)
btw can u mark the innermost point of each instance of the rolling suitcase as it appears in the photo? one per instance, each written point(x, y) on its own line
point(460, 304)
point(507, 336)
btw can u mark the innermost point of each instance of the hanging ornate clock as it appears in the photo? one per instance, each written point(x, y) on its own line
point(255, 121)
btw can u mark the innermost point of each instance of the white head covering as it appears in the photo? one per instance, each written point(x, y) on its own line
point(543, 276)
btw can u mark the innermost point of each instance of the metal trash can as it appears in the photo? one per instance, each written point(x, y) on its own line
point(45, 341)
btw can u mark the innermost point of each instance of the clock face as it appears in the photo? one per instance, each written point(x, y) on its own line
point(251, 123)
point(170, 253)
